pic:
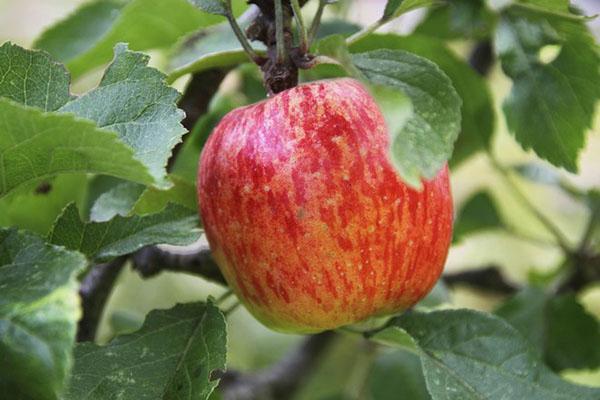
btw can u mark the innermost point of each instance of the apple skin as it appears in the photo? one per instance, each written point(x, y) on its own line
point(307, 218)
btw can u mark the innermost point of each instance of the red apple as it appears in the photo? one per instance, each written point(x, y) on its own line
point(307, 218)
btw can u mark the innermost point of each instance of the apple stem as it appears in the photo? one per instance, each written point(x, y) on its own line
point(279, 32)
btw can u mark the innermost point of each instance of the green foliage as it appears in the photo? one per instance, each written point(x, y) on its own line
point(124, 235)
point(218, 7)
point(477, 108)
point(38, 315)
point(551, 104)
point(471, 355)
point(426, 140)
point(458, 19)
point(551, 324)
point(395, 8)
point(397, 375)
point(99, 25)
point(184, 366)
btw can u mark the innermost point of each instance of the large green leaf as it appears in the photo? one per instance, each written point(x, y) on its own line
point(123, 235)
point(29, 151)
point(116, 200)
point(551, 105)
point(425, 142)
point(177, 354)
point(458, 19)
point(39, 309)
point(133, 100)
point(32, 78)
point(85, 39)
point(477, 107)
point(564, 334)
point(471, 355)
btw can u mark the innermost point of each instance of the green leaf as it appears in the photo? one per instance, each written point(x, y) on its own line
point(424, 144)
point(28, 144)
point(134, 100)
point(177, 354)
point(118, 200)
point(458, 19)
point(35, 206)
point(214, 47)
point(559, 328)
point(479, 213)
point(395, 8)
point(471, 355)
point(85, 39)
point(182, 192)
point(478, 116)
point(32, 78)
point(123, 235)
point(551, 105)
point(39, 309)
point(218, 7)
point(397, 375)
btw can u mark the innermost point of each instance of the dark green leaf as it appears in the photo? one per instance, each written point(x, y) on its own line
point(471, 355)
point(28, 142)
point(86, 38)
point(134, 100)
point(477, 107)
point(551, 105)
point(177, 354)
point(397, 375)
point(478, 214)
point(32, 78)
point(458, 19)
point(39, 309)
point(426, 141)
point(123, 235)
point(218, 7)
point(118, 200)
point(395, 8)
point(559, 328)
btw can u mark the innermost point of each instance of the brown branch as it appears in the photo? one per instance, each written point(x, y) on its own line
point(94, 292)
point(489, 279)
point(282, 380)
point(151, 260)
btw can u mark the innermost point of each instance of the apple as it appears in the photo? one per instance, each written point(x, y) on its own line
point(308, 219)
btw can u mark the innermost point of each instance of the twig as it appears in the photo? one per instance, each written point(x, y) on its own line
point(152, 260)
point(195, 101)
point(94, 292)
point(282, 380)
point(489, 279)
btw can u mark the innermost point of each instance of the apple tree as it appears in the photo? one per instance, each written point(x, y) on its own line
point(280, 156)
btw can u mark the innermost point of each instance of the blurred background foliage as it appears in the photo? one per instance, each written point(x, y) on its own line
point(250, 344)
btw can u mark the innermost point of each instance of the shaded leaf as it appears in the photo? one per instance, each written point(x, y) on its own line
point(458, 19)
point(471, 355)
point(133, 100)
point(559, 328)
point(426, 141)
point(218, 7)
point(478, 214)
point(39, 309)
point(395, 8)
point(118, 200)
point(32, 78)
point(182, 192)
point(478, 116)
point(397, 375)
point(181, 367)
point(123, 235)
point(28, 139)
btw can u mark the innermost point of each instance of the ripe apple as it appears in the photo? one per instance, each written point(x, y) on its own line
point(307, 218)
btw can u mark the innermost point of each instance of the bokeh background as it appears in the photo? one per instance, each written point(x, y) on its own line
point(252, 346)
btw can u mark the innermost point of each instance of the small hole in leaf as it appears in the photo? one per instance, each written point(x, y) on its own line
point(547, 54)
